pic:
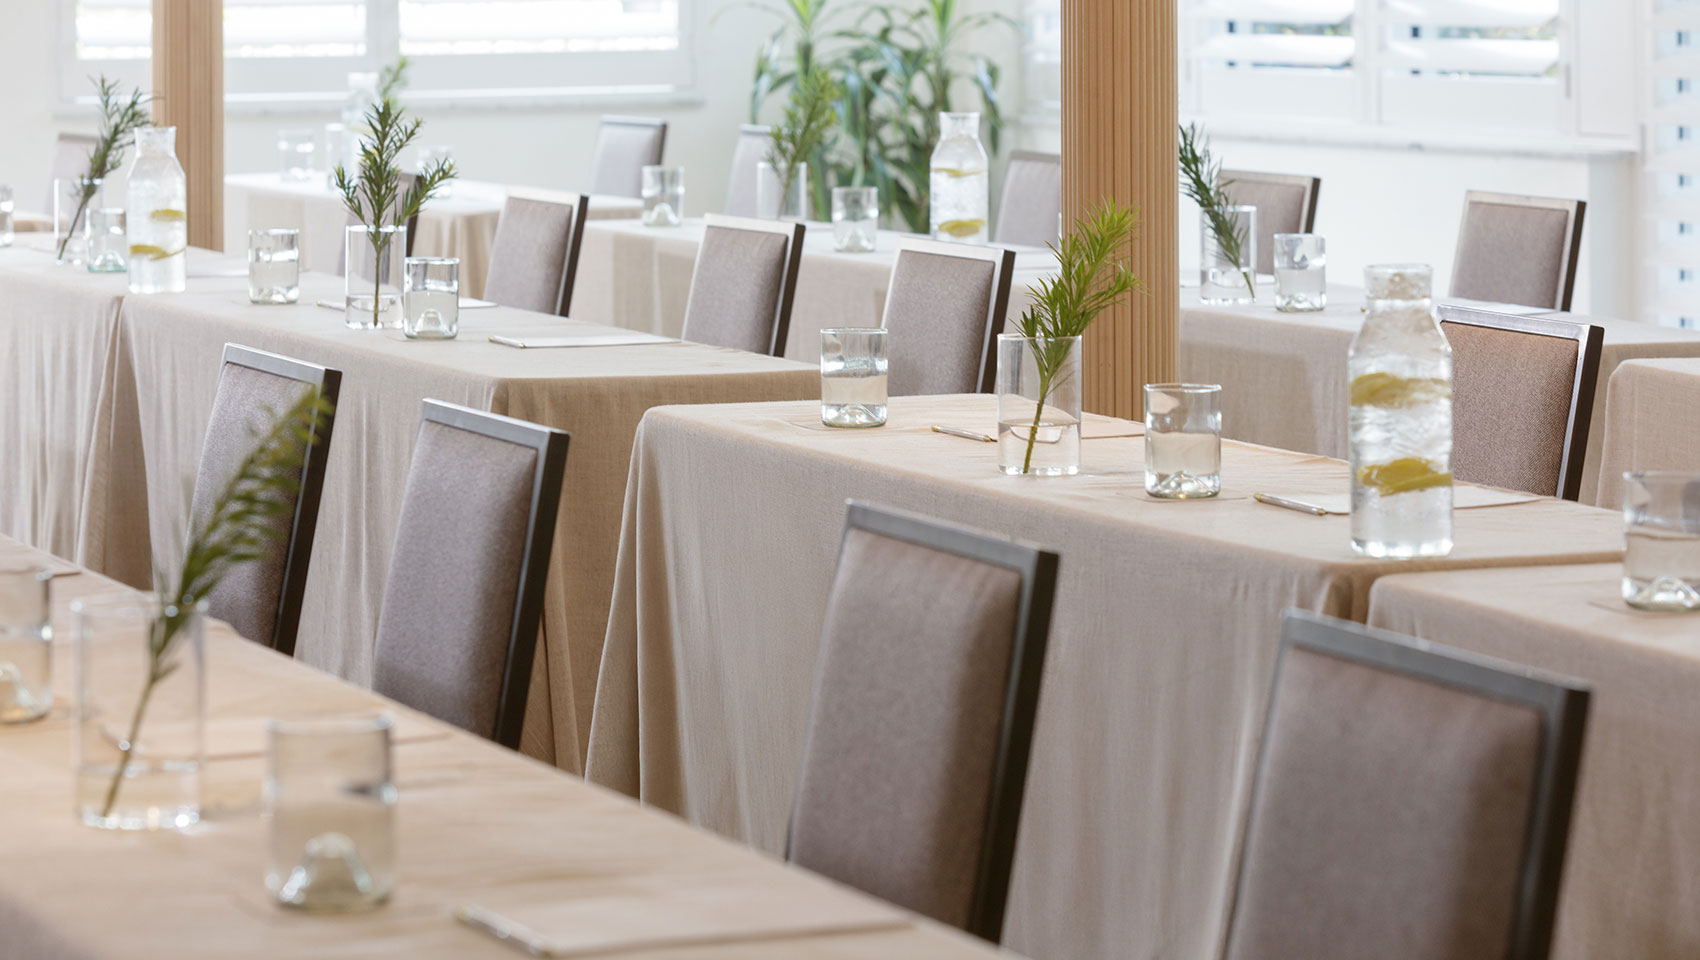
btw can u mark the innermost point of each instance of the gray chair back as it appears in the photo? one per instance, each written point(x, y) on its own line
point(1522, 397)
point(1516, 249)
point(534, 256)
point(458, 627)
point(944, 309)
point(1032, 199)
point(754, 140)
point(70, 159)
point(926, 688)
point(1411, 803)
point(262, 598)
point(1286, 203)
point(624, 146)
point(743, 285)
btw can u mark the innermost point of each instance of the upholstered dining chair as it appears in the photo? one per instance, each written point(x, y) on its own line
point(1515, 249)
point(1032, 199)
point(624, 146)
point(458, 625)
point(1286, 203)
point(262, 598)
point(754, 140)
point(534, 256)
point(944, 309)
point(70, 159)
point(1411, 802)
point(1522, 397)
point(926, 687)
point(743, 285)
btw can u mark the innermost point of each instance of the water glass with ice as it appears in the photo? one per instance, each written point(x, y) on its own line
point(855, 218)
point(663, 196)
point(1301, 272)
point(1183, 440)
point(108, 249)
point(274, 266)
point(5, 215)
point(1661, 534)
point(295, 149)
point(852, 377)
point(430, 307)
point(26, 642)
point(330, 813)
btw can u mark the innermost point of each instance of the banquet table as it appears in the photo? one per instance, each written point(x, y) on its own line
point(1652, 422)
point(476, 823)
point(1284, 374)
point(639, 277)
point(1632, 873)
point(462, 224)
point(1162, 647)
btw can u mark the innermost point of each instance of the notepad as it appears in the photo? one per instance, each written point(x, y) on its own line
point(582, 340)
point(1463, 498)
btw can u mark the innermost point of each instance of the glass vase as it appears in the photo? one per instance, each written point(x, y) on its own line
point(778, 198)
point(73, 198)
point(26, 641)
point(1038, 388)
point(158, 214)
point(330, 802)
point(372, 276)
point(958, 184)
point(140, 712)
point(1228, 258)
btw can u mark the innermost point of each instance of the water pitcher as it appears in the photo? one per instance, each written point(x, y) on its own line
point(959, 183)
point(158, 217)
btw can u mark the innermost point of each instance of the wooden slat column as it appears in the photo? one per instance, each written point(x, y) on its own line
point(188, 82)
point(1119, 93)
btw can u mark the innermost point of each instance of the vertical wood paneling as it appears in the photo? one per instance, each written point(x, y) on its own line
point(1119, 115)
point(188, 83)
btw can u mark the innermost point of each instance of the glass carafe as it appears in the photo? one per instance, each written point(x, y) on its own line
point(158, 214)
point(959, 183)
point(1400, 375)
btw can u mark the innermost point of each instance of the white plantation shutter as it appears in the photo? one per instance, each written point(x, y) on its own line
point(1671, 166)
point(1470, 63)
point(1260, 58)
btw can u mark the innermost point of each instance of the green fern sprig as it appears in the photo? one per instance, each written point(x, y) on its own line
point(1201, 181)
point(809, 118)
point(392, 78)
point(120, 118)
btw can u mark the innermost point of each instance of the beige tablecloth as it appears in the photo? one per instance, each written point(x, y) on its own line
point(1284, 374)
point(462, 224)
point(1632, 876)
point(475, 824)
point(639, 277)
point(1652, 422)
point(1162, 641)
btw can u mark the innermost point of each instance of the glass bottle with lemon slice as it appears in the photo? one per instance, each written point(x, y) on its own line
point(158, 220)
point(959, 182)
point(1400, 373)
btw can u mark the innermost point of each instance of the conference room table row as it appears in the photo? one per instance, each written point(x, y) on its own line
point(477, 825)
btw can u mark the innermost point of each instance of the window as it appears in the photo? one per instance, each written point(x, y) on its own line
point(1671, 166)
point(301, 51)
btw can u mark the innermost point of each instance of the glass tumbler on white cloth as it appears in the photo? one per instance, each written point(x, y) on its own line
point(430, 298)
point(1301, 272)
point(663, 196)
point(1183, 440)
point(1228, 256)
point(1661, 540)
point(852, 377)
point(274, 266)
point(107, 243)
point(26, 642)
point(73, 198)
point(330, 813)
point(295, 150)
point(855, 218)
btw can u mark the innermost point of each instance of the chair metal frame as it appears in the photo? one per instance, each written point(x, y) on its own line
point(304, 523)
point(1022, 156)
point(1576, 211)
point(1562, 703)
point(551, 447)
point(575, 239)
point(1038, 571)
point(1003, 265)
point(1312, 187)
point(793, 232)
point(1590, 344)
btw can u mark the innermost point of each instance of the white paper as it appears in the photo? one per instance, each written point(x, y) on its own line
point(1464, 497)
point(583, 340)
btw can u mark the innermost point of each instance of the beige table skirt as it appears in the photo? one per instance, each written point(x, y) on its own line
point(1652, 422)
point(1631, 878)
point(1162, 641)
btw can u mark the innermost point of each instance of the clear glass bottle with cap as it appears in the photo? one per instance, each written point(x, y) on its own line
point(1400, 376)
point(959, 182)
point(157, 218)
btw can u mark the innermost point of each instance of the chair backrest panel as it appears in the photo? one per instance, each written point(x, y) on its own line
point(754, 141)
point(743, 284)
point(534, 256)
point(944, 310)
point(1031, 199)
point(1285, 203)
point(624, 146)
point(1520, 250)
point(70, 159)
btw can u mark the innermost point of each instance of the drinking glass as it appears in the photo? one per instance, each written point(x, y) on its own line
point(855, 218)
point(26, 642)
point(1661, 534)
point(779, 197)
point(330, 813)
point(1039, 398)
point(295, 148)
point(1228, 270)
point(274, 265)
point(428, 157)
point(663, 196)
point(852, 377)
point(372, 276)
point(106, 240)
point(1183, 440)
point(73, 198)
point(5, 215)
point(430, 298)
point(1301, 272)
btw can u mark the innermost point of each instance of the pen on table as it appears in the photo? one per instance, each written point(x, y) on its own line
point(964, 434)
point(1275, 501)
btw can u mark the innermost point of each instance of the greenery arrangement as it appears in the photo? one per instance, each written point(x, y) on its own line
point(1201, 181)
point(392, 79)
point(243, 522)
point(809, 119)
point(120, 117)
point(376, 192)
point(1094, 276)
